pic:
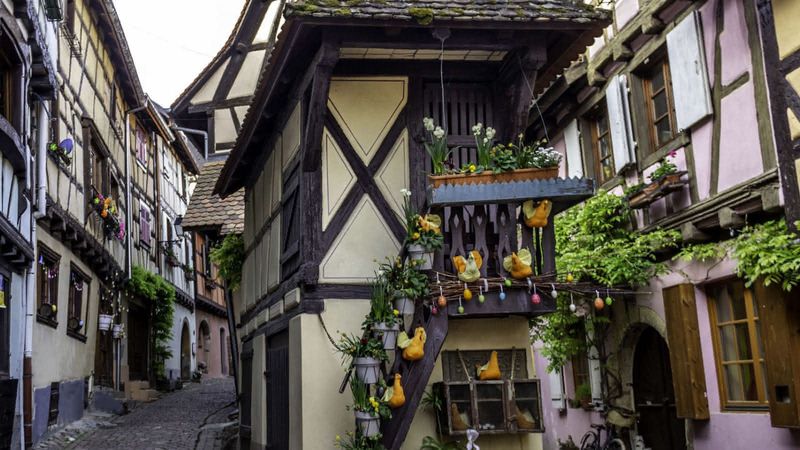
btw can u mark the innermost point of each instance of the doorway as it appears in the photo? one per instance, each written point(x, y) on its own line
point(223, 360)
point(654, 395)
point(186, 352)
point(138, 342)
point(277, 375)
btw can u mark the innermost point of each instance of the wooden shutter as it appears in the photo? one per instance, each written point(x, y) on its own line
point(685, 355)
point(619, 122)
point(779, 314)
point(595, 375)
point(572, 141)
point(291, 226)
point(557, 396)
point(687, 67)
point(144, 225)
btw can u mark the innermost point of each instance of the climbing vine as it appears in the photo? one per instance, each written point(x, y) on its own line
point(229, 257)
point(161, 295)
point(596, 242)
point(767, 251)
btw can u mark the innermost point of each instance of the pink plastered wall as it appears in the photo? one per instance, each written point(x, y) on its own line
point(210, 351)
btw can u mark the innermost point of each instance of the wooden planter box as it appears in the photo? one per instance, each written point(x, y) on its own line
point(657, 189)
point(488, 177)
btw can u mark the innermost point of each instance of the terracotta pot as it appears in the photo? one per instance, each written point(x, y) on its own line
point(418, 252)
point(367, 423)
point(388, 334)
point(488, 177)
point(367, 369)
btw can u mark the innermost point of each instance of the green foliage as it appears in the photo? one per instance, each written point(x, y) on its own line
point(431, 443)
point(633, 189)
point(229, 257)
point(352, 441)
point(503, 159)
point(423, 16)
point(404, 280)
point(436, 146)
point(595, 242)
point(356, 347)
point(161, 295)
point(562, 333)
point(666, 167)
point(765, 251)
point(583, 392)
point(382, 310)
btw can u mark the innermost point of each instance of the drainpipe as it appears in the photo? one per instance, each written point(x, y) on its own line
point(201, 133)
point(233, 339)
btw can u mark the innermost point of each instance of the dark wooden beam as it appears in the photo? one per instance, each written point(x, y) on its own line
point(326, 59)
point(422, 38)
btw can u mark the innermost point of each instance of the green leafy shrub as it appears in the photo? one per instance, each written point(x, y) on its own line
point(229, 257)
point(161, 295)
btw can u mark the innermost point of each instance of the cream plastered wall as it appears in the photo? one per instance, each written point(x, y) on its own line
point(321, 413)
point(59, 357)
point(258, 408)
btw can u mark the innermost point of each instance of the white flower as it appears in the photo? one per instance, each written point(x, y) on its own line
point(438, 133)
point(490, 132)
point(428, 123)
point(476, 130)
point(405, 192)
point(486, 140)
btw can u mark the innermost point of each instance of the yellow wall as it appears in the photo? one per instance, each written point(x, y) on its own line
point(258, 409)
point(321, 413)
point(786, 13)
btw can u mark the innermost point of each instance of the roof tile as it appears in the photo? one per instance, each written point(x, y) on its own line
point(208, 210)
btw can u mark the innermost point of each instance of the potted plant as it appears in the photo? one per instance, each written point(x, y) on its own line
point(188, 272)
point(106, 208)
point(104, 321)
point(367, 353)
point(423, 234)
point(368, 409)
point(583, 396)
point(383, 318)
point(406, 284)
point(170, 257)
point(436, 146)
point(62, 150)
point(666, 170)
point(502, 163)
point(353, 441)
point(117, 330)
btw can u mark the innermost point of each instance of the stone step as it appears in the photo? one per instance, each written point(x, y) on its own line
point(135, 385)
point(144, 395)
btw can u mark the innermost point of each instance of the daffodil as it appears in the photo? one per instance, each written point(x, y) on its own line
point(472, 168)
point(427, 122)
point(396, 312)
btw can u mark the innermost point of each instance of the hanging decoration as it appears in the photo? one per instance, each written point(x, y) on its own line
point(468, 268)
point(490, 370)
point(537, 213)
point(519, 265)
point(599, 303)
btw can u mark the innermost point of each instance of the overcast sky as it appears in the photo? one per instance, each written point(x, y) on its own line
point(173, 40)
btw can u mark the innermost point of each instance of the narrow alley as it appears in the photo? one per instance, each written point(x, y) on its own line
point(195, 417)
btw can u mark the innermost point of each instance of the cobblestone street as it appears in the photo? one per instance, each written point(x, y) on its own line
point(195, 417)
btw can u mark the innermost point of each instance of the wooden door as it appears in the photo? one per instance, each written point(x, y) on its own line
point(186, 353)
point(277, 375)
point(246, 390)
point(653, 393)
point(138, 339)
point(104, 359)
point(8, 404)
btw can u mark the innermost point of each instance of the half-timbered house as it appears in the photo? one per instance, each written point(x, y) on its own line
point(333, 135)
point(28, 54)
point(685, 82)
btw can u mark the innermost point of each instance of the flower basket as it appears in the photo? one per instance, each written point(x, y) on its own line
point(116, 330)
point(368, 424)
point(367, 369)
point(489, 177)
point(172, 260)
point(62, 151)
point(104, 322)
point(405, 305)
point(189, 274)
point(419, 253)
point(387, 334)
point(74, 324)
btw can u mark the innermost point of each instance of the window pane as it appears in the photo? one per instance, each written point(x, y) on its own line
point(728, 342)
point(657, 82)
point(663, 131)
point(760, 340)
point(749, 385)
point(723, 305)
point(602, 125)
point(660, 105)
point(736, 293)
point(733, 382)
point(743, 341)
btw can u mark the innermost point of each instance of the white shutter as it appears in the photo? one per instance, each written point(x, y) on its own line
point(687, 67)
point(619, 123)
point(557, 396)
point(595, 375)
point(573, 143)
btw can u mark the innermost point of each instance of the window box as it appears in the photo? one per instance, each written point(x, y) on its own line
point(491, 407)
point(658, 189)
point(488, 177)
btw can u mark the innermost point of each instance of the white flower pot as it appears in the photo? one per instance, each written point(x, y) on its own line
point(420, 253)
point(388, 334)
point(116, 330)
point(368, 424)
point(367, 369)
point(405, 305)
point(104, 322)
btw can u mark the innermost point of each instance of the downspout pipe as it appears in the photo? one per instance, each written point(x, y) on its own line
point(233, 338)
point(201, 133)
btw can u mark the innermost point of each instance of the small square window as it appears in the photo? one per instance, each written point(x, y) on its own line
point(47, 289)
point(77, 306)
point(660, 107)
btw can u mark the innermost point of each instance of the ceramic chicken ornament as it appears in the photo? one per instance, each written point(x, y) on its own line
point(394, 394)
point(414, 348)
point(430, 222)
point(469, 268)
point(491, 370)
point(519, 264)
point(536, 214)
point(460, 420)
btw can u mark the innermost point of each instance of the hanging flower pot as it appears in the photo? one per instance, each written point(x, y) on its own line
point(368, 424)
point(405, 305)
point(116, 330)
point(367, 369)
point(104, 322)
point(421, 254)
point(387, 334)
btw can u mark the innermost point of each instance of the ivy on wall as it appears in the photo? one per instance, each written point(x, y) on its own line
point(767, 251)
point(161, 295)
point(229, 257)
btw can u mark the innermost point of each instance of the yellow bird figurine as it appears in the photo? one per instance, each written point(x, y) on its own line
point(519, 264)
point(415, 350)
point(536, 214)
point(469, 268)
point(491, 370)
point(395, 396)
point(430, 222)
point(460, 420)
point(524, 419)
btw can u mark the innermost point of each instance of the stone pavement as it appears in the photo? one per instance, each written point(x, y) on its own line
point(195, 417)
